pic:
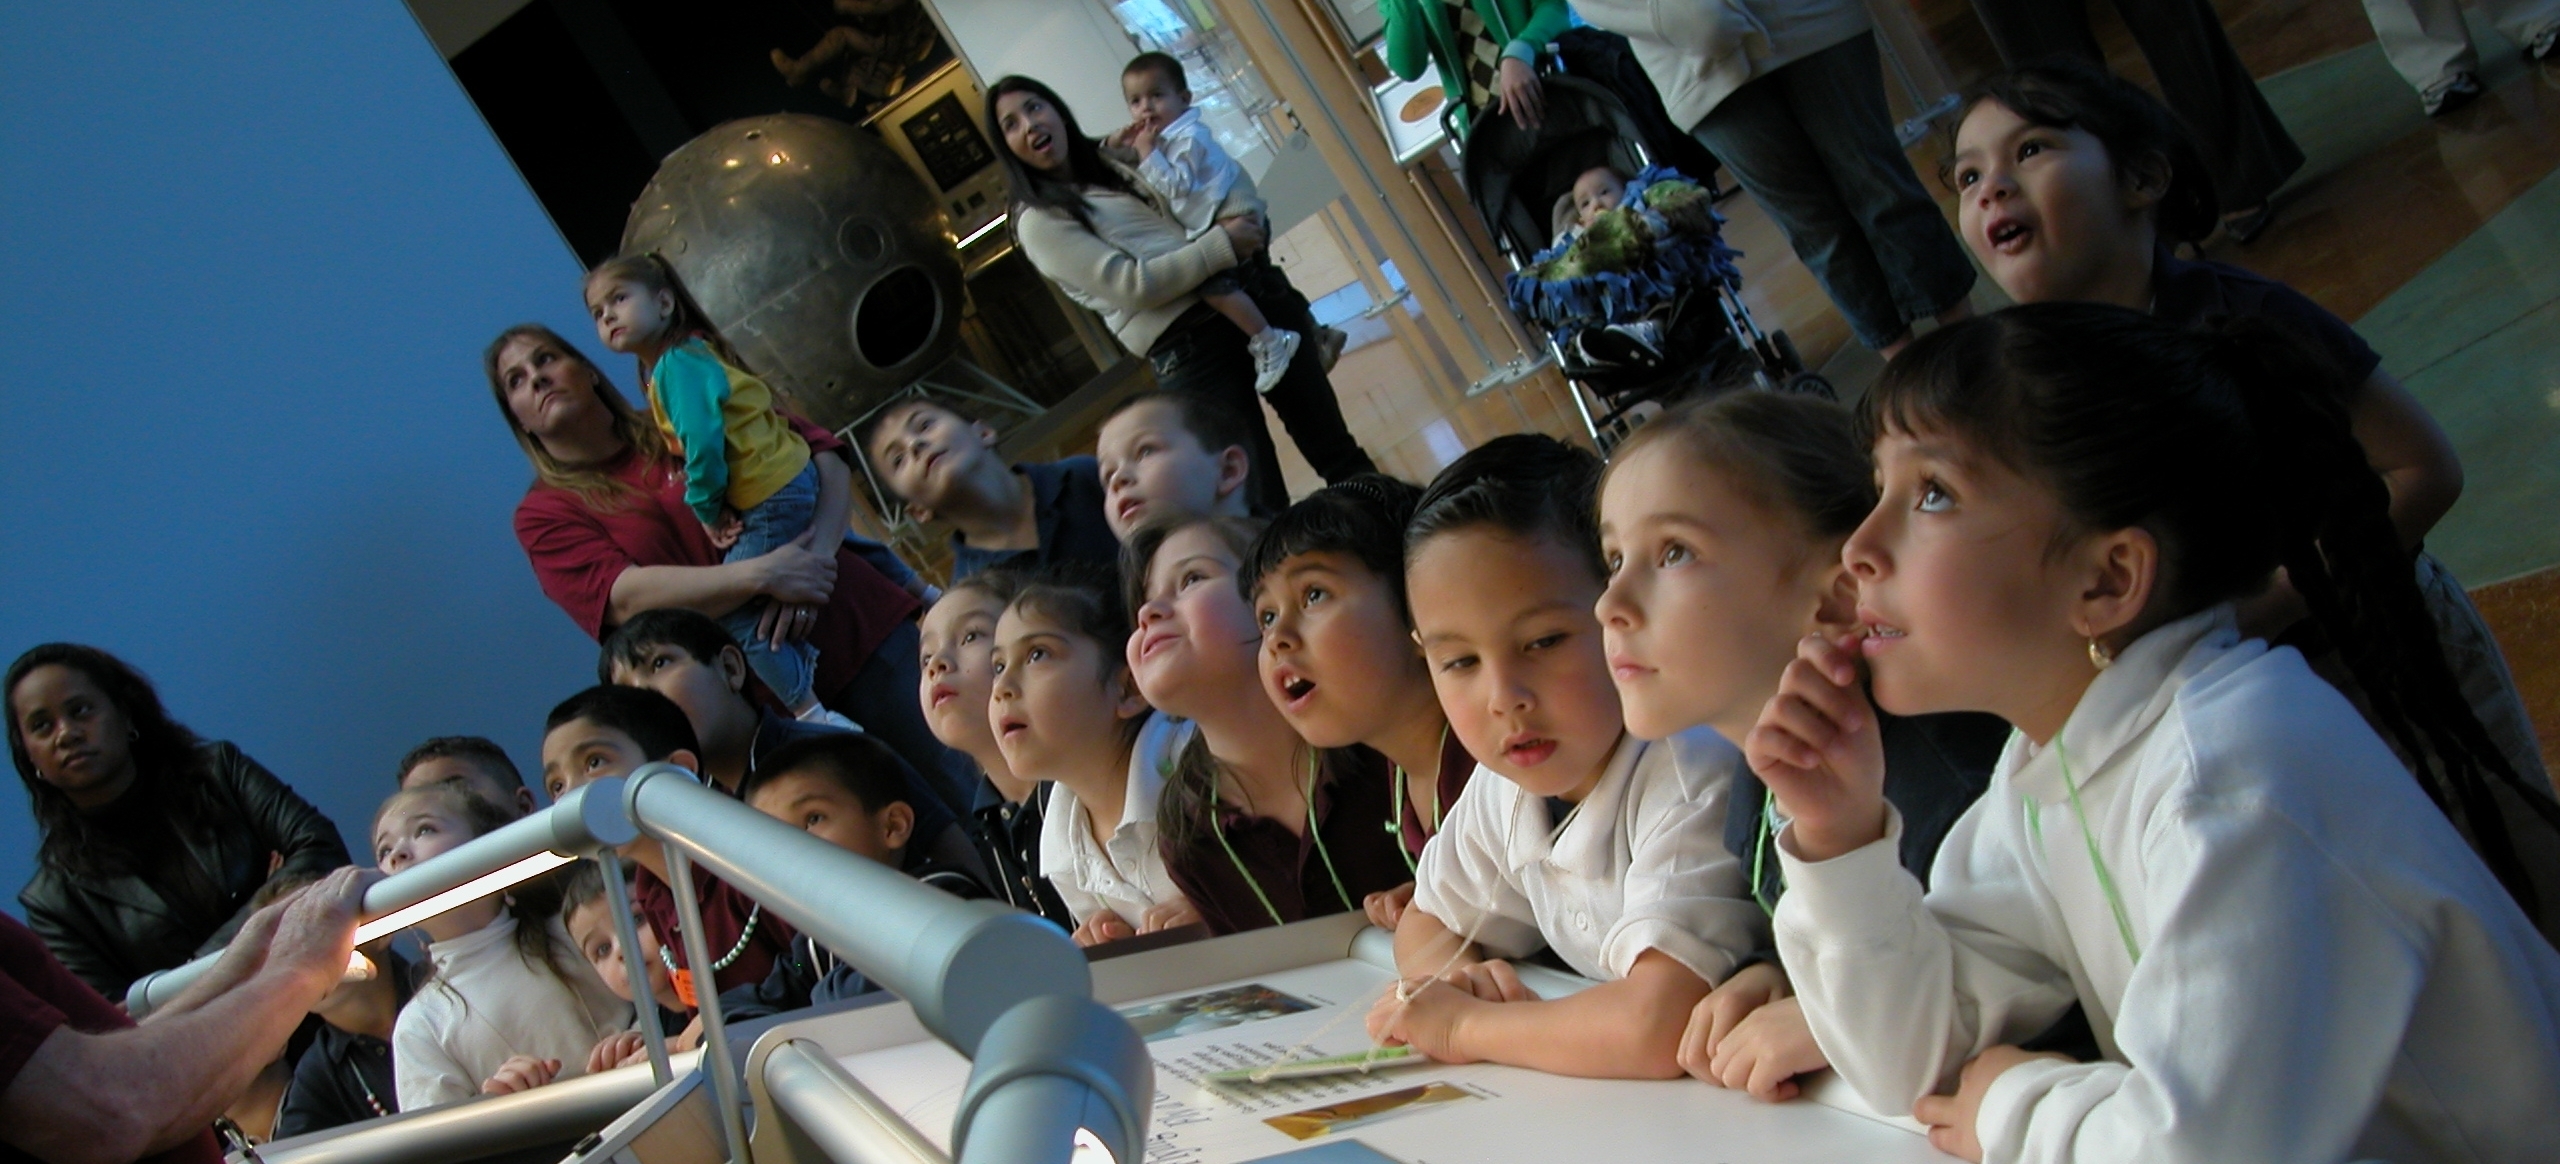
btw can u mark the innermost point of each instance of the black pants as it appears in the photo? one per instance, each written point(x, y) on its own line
point(882, 698)
point(1204, 353)
point(2246, 147)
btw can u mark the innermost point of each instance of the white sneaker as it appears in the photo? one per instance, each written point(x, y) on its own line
point(1272, 351)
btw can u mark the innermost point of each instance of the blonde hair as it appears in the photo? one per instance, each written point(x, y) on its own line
point(600, 490)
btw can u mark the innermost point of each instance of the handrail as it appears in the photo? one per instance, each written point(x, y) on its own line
point(552, 1114)
point(840, 1116)
point(1004, 988)
point(585, 820)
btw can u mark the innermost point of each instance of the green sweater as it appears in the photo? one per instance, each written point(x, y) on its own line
point(1418, 31)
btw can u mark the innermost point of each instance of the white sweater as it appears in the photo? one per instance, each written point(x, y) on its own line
point(2325, 969)
point(487, 1003)
point(1697, 52)
point(1135, 266)
point(1640, 866)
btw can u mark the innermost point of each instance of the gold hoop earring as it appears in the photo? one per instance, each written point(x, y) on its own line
point(2099, 656)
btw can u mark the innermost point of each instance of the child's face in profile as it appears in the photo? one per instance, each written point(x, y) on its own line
point(1963, 600)
point(921, 449)
point(1336, 655)
point(1195, 639)
point(815, 803)
point(1154, 100)
point(2044, 210)
point(1059, 698)
point(1506, 628)
point(1596, 190)
point(590, 926)
point(628, 316)
point(1152, 465)
point(955, 668)
point(1709, 592)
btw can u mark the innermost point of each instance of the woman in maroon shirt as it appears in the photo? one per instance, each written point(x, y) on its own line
point(608, 533)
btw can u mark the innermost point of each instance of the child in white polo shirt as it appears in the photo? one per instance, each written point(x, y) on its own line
point(1603, 847)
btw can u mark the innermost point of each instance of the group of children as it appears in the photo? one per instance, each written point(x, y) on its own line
point(1941, 744)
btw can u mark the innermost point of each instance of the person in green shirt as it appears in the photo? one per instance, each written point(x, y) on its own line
point(1486, 51)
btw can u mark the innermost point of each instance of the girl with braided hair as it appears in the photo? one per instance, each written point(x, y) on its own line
point(2283, 949)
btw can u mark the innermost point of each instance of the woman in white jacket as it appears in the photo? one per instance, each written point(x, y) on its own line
point(2285, 951)
point(1789, 95)
point(1104, 237)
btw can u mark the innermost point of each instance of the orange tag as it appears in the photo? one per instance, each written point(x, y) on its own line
point(684, 988)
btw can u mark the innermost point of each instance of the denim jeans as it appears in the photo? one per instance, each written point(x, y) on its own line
point(1814, 145)
point(767, 527)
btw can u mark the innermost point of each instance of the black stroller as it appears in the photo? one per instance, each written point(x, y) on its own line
point(1518, 179)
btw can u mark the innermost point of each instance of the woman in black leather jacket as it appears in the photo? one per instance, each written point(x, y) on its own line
point(154, 840)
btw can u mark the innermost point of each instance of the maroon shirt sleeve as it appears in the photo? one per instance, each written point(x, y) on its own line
point(38, 996)
point(724, 915)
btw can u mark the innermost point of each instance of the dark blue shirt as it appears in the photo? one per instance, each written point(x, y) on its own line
point(2192, 292)
point(1066, 496)
point(1935, 767)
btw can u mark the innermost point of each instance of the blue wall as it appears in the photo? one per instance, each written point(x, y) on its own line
point(253, 251)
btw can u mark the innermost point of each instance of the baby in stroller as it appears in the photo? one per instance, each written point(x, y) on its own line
point(1626, 250)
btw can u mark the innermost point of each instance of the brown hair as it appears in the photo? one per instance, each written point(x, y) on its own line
point(533, 903)
point(654, 275)
point(599, 490)
point(1793, 455)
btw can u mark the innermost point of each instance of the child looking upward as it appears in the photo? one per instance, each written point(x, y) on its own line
point(475, 761)
point(1172, 454)
point(850, 791)
point(747, 474)
point(2284, 950)
point(587, 913)
point(957, 663)
point(1584, 839)
point(1339, 660)
point(945, 467)
point(1201, 184)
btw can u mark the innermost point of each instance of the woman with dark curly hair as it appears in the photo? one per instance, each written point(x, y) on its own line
point(154, 839)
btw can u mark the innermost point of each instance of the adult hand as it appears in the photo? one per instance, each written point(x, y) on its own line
point(1245, 233)
point(1951, 1117)
point(1516, 92)
point(792, 573)
point(784, 623)
point(316, 929)
point(1104, 926)
point(1386, 907)
point(1817, 749)
point(520, 1073)
point(1766, 1051)
point(1723, 1009)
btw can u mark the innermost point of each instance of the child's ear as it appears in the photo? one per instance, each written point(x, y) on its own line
point(686, 760)
point(2121, 568)
point(666, 301)
point(986, 432)
point(1235, 465)
point(2145, 181)
point(1126, 703)
point(897, 824)
point(919, 514)
point(733, 668)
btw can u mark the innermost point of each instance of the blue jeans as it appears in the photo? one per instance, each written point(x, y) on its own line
point(769, 526)
point(1814, 144)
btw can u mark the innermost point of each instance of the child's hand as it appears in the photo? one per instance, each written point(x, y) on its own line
point(724, 532)
point(1491, 981)
point(1766, 1051)
point(688, 1038)
point(1170, 916)
point(1723, 1009)
point(617, 1050)
point(1105, 926)
point(1950, 1117)
point(1817, 749)
point(1428, 1021)
point(520, 1073)
point(1386, 907)
point(1143, 139)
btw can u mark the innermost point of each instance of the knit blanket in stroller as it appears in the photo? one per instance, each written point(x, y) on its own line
point(1633, 261)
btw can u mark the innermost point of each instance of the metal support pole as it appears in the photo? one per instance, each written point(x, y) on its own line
point(725, 1089)
point(635, 965)
point(841, 1116)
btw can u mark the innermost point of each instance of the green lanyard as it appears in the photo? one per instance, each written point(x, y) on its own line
point(1395, 815)
point(1219, 827)
point(1760, 851)
point(2106, 880)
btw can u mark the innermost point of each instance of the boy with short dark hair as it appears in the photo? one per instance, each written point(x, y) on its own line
point(690, 659)
point(849, 791)
point(1173, 453)
point(946, 468)
point(611, 731)
point(476, 762)
point(586, 911)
